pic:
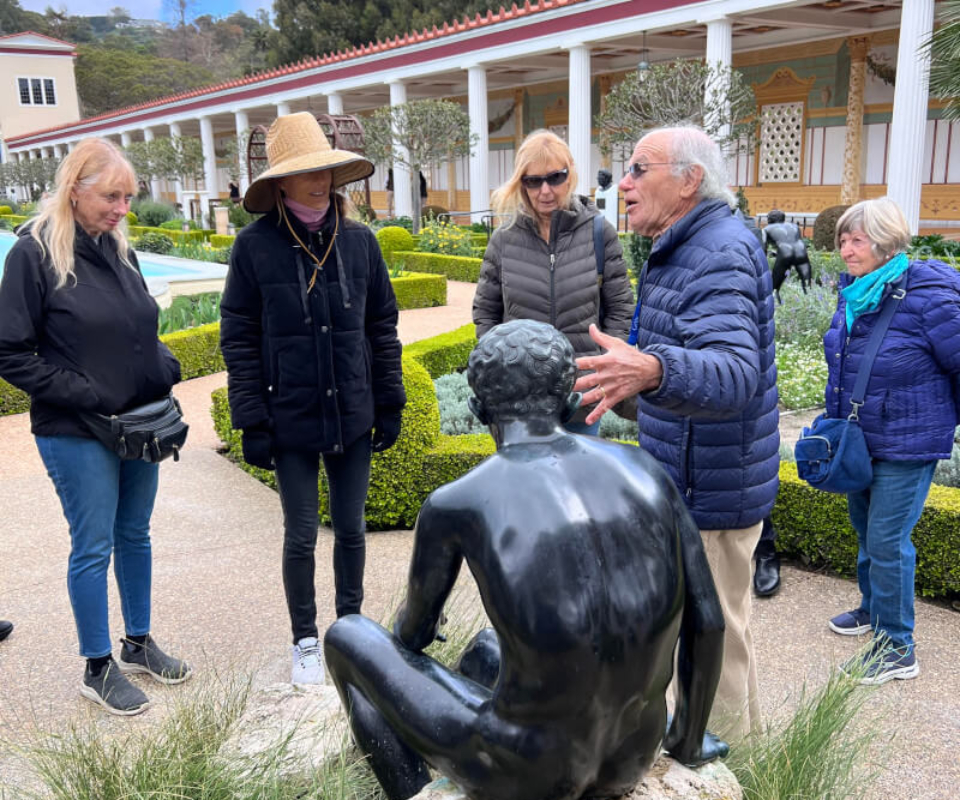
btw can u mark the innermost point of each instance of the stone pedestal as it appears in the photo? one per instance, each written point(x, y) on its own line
point(221, 215)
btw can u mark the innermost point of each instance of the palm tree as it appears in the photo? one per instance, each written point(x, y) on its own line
point(945, 54)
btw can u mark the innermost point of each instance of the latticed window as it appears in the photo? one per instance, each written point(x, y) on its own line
point(48, 91)
point(24, 86)
point(781, 142)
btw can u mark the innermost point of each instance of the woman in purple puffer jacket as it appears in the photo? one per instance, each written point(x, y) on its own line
point(910, 413)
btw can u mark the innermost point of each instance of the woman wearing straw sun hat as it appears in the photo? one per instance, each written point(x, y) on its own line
point(309, 337)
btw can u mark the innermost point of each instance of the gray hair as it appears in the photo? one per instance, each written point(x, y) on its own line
point(522, 368)
point(690, 147)
point(883, 223)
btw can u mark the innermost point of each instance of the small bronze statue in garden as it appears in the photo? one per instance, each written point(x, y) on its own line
point(589, 568)
point(789, 249)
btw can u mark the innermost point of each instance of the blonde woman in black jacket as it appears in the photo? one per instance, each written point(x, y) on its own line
point(309, 337)
point(541, 264)
point(78, 332)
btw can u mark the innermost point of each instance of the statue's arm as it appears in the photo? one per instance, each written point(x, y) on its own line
point(434, 567)
point(700, 653)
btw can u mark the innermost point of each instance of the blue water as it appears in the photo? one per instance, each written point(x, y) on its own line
point(150, 269)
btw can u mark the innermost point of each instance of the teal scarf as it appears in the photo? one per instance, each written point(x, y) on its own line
point(864, 294)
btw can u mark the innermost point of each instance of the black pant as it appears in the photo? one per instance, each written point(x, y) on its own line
point(348, 476)
point(765, 547)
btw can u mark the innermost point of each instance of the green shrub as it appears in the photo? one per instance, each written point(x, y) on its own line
point(431, 212)
point(445, 353)
point(804, 317)
point(151, 213)
point(392, 222)
point(451, 240)
point(5, 210)
point(814, 526)
point(131, 218)
point(177, 223)
point(825, 227)
point(934, 246)
point(151, 242)
point(420, 291)
point(5, 225)
point(391, 239)
point(801, 376)
point(239, 216)
point(828, 266)
point(175, 236)
point(16, 219)
point(190, 311)
point(222, 240)
point(636, 250)
point(456, 268)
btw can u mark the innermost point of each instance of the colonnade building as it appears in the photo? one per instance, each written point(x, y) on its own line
point(841, 86)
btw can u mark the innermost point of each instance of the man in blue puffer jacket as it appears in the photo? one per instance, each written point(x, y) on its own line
point(701, 361)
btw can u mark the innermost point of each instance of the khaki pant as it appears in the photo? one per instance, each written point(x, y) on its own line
point(736, 707)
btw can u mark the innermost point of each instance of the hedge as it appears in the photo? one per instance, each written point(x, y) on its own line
point(814, 527)
point(219, 240)
point(197, 350)
point(446, 353)
point(456, 268)
point(177, 236)
point(422, 460)
point(420, 291)
point(15, 219)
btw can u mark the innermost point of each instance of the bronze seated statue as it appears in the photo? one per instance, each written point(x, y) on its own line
point(590, 570)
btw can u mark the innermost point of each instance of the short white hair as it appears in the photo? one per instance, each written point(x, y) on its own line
point(882, 222)
point(691, 147)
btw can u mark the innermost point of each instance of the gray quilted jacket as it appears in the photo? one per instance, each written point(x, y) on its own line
point(524, 277)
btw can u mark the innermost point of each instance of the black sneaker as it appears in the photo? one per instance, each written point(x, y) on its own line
point(149, 659)
point(6, 628)
point(113, 691)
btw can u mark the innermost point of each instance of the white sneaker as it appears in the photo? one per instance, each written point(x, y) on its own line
point(307, 666)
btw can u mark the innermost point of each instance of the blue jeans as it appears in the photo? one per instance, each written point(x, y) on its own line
point(348, 477)
point(107, 503)
point(883, 516)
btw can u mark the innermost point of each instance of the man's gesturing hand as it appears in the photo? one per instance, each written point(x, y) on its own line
point(622, 371)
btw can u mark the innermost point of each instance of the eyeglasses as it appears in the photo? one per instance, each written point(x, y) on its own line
point(637, 170)
point(551, 179)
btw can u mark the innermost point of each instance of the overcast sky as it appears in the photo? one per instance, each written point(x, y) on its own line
point(146, 9)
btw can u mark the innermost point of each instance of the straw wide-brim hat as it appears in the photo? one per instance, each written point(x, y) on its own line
point(296, 144)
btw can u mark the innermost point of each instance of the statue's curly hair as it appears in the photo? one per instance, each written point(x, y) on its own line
point(522, 368)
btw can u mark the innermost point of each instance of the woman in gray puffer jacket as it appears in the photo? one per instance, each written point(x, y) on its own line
point(542, 263)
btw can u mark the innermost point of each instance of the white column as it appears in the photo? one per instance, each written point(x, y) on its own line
point(70, 146)
point(334, 104)
point(720, 55)
point(58, 151)
point(910, 98)
point(479, 173)
point(283, 109)
point(242, 122)
point(44, 152)
point(177, 184)
point(580, 116)
point(209, 161)
point(402, 191)
point(154, 181)
point(125, 139)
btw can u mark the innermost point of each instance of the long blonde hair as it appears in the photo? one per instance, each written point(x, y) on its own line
point(91, 161)
point(539, 147)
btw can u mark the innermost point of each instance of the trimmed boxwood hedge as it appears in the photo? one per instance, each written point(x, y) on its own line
point(420, 291)
point(456, 268)
point(137, 231)
point(814, 526)
point(219, 240)
point(422, 460)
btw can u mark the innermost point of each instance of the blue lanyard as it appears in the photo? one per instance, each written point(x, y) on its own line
point(635, 325)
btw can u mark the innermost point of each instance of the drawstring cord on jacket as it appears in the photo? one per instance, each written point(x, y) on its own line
point(318, 262)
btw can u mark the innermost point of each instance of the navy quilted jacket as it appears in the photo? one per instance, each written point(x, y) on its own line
point(707, 314)
point(912, 405)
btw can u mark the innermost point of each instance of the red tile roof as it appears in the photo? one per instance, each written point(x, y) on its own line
point(447, 29)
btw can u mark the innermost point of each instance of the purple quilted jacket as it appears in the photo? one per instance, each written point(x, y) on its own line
point(912, 405)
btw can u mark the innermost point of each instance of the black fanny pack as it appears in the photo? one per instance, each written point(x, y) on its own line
point(151, 432)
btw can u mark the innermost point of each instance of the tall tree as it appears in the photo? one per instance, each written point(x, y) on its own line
point(418, 135)
point(14, 19)
point(945, 59)
point(679, 92)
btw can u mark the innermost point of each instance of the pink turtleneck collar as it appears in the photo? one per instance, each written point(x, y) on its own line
point(310, 217)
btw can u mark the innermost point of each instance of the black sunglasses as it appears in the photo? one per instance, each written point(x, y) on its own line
point(637, 170)
point(552, 179)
